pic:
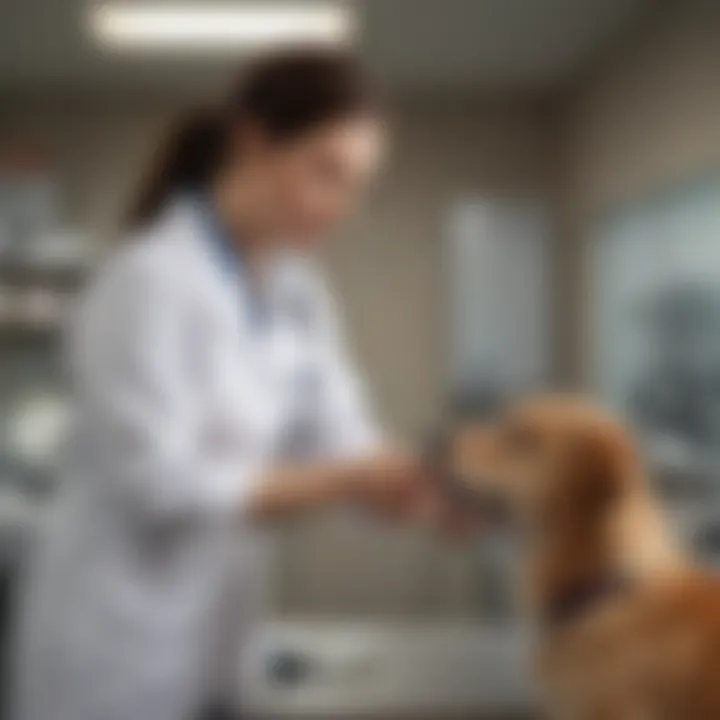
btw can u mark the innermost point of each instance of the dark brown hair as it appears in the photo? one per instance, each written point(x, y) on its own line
point(285, 96)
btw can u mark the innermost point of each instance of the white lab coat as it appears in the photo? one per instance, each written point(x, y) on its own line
point(181, 403)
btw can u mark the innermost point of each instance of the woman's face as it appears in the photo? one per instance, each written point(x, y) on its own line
point(309, 184)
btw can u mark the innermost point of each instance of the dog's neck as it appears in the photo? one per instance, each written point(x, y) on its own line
point(585, 564)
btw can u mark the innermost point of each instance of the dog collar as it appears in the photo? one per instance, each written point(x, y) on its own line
point(582, 599)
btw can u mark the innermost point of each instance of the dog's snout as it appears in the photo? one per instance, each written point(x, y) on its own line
point(461, 461)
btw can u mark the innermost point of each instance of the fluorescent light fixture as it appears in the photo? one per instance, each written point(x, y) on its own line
point(209, 26)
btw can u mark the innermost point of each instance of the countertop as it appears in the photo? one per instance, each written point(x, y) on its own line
point(382, 669)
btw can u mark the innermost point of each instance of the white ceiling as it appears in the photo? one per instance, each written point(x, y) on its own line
point(410, 43)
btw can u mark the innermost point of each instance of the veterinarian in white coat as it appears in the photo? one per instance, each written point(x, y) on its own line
point(212, 396)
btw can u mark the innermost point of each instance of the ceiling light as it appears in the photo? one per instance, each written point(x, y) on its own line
point(209, 26)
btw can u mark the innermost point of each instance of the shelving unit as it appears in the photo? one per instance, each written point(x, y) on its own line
point(24, 274)
point(28, 317)
point(34, 300)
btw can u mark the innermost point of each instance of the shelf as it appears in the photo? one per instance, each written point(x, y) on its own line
point(16, 334)
point(34, 275)
point(34, 301)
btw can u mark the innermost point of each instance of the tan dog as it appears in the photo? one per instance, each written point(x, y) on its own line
point(627, 629)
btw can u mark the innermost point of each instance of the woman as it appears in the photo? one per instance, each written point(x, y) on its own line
point(212, 396)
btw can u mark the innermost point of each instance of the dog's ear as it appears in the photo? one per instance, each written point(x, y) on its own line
point(600, 460)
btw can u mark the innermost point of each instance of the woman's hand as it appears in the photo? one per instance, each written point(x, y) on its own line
point(388, 484)
point(456, 522)
point(398, 486)
point(391, 483)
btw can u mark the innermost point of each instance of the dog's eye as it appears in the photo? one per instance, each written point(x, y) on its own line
point(521, 439)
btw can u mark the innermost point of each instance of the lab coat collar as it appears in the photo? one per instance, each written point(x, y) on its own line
point(180, 224)
point(226, 252)
point(219, 267)
point(226, 259)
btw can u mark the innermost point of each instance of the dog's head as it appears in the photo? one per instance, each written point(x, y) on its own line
point(552, 462)
point(570, 478)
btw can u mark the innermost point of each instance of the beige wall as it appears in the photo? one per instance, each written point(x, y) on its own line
point(387, 268)
point(648, 116)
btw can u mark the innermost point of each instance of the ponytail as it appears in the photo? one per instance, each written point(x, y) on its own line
point(186, 163)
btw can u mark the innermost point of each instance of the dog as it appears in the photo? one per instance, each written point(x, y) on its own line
point(626, 627)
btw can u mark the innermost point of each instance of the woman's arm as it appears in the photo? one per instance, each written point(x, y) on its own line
point(386, 482)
